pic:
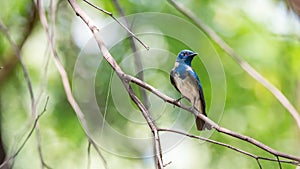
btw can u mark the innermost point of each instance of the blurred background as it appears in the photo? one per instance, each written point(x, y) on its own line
point(265, 33)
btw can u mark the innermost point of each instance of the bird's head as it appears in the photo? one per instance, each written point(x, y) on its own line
point(186, 56)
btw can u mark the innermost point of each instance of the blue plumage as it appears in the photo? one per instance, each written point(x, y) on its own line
point(187, 82)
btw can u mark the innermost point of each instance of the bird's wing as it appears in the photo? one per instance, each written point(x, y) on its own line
point(200, 103)
point(196, 81)
point(172, 74)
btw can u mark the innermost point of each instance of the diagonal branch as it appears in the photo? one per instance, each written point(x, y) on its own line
point(30, 89)
point(11, 63)
point(122, 25)
point(66, 83)
point(210, 122)
point(257, 158)
point(27, 137)
point(137, 56)
point(122, 76)
point(24, 69)
point(153, 127)
point(127, 78)
point(245, 65)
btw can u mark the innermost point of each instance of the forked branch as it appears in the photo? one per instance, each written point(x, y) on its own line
point(126, 79)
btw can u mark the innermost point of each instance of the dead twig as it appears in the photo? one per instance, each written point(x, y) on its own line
point(122, 25)
point(241, 62)
point(27, 137)
point(121, 75)
point(66, 84)
point(137, 56)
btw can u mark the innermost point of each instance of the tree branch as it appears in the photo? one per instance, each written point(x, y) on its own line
point(121, 75)
point(66, 83)
point(126, 79)
point(29, 86)
point(27, 137)
point(11, 63)
point(122, 25)
point(137, 56)
point(24, 69)
point(241, 62)
point(210, 122)
point(257, 158)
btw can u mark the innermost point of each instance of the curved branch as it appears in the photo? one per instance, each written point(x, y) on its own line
point(9, 65)
point(126, 79)
point(17, 51)
point(66, 84)
point(241, 62)
point(207, 120)
point(27, 137)
point(257, 158)
point(137, 56)
point(123, 26)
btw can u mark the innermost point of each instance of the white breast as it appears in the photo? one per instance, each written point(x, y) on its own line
point(189, 90)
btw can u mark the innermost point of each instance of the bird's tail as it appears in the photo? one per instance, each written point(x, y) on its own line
point(201, 125)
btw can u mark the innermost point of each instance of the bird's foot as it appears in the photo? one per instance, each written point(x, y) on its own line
point(192, 108)
point(177, 100)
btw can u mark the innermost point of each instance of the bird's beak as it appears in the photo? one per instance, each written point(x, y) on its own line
point(194, 54)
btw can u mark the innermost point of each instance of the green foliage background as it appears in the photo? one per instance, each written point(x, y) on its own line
point(256, 30)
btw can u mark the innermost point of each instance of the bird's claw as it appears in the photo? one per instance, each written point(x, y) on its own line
point(192, 108)
point(177, 100)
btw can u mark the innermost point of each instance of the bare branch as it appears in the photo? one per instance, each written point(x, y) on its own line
point(210, 122)
point(137, 56)
point(29, 86)
point(66, 83)
point(89, 155)
point(153, 127)
point(11, 63)
point(122, 76)
point(278, 162)
point(24, 69)
point(245, 65)
point(228, 146)
point(27, 137)
point(210, 141)
point(114, 18)
point(126, 79)
point(257, 160)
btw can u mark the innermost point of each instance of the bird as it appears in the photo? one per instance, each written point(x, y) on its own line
point(187, 83)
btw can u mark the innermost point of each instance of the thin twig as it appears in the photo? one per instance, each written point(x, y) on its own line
point(66, 84)
point(29, 86)
point(279, 162)
point(121, 74)
point(210, 122)
point(210, 141)
point(44, 83)
point(126, 79)
point(38, 139)
point(114, 18)
point(24, 69)
point(257, 160)
point(11, 63)
point(89, 155)
point(245, 65)
point(227, 146)
point(137, 56)
point(153, 127)
point(28, 136)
